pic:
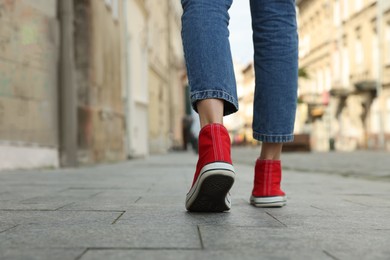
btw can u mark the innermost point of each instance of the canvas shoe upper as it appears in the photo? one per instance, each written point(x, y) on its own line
point(266, 189)
point(214, 173)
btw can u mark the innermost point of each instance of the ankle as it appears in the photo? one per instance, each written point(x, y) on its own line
point(271, 151)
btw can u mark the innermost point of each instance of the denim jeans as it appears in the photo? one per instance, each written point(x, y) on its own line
point(209, 63)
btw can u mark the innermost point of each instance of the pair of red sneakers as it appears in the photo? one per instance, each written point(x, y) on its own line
point(214, 176)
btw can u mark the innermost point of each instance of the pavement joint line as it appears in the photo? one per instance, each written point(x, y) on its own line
point(64, 206)
point(90, 210)
point(357, 203)
point(96, 194)
point(82, 254)
point(200, 237)
point(348, 174)
point(46, 210)
point(272, 216)
point(27, 210)
point(138, 199)
point(145, 248)
point(9, 228)
point(120, 215)
point(96, 188)
point(314, 207)
point(330, 255)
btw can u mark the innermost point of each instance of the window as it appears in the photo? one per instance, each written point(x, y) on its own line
point(375, 56)
point(359, 55)
point(320, 82)
point(336, 65)
point(375, 120)
point(345, 76)
point(387, 42)
point(304, 46)
point(358, 5)
point(387, 126)
point(115, 9)
point(328, 78)
point(114, 6)
point(336, 13)
point(345, 9)
point(359, 52)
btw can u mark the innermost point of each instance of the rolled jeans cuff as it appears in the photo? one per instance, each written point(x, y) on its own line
point(230, 103)
point(269, 138)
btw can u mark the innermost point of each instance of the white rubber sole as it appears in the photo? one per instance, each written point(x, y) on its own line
point(210, 192)
point(268, 202)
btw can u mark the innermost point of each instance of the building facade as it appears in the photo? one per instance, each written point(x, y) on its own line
point(87, 81)
point(29, 54)
point(345, 102)
point(136, 89)
point(166, 70)
point(98, 72)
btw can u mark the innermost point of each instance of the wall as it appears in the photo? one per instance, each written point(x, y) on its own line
point(98, 47)
point(29, 44)
point(348, 50)
point(136, 86)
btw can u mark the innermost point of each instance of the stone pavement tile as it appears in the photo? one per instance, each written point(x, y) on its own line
point(49, 201)
point(240, 215)
point(309, 215)
point(5, 226)
point(97, 203)
point(348, 242)
point(15, 217)
point(357, 243)
point(263, 239)
point(376, 201)
point(39, 253)
point(201, 254)
point(17, 193)
point(157, 200)
point(99, 235)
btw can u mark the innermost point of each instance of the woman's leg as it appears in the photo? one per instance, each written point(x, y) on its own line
point(210, 111)
point(207, 53)
point(213, 94)
point(275, 42)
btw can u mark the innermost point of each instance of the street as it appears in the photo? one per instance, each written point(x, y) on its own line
point(135, 210)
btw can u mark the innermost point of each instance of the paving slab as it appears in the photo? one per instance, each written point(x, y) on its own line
point(103, 203)
point(40, 253)
point(201, 254)
point(98, 235)
point(4, 226)
point(18, 217)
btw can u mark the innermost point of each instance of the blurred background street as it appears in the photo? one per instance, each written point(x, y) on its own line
point(85, 82)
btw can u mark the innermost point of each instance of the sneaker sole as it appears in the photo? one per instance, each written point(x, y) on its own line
point(210, 191)
point(268, 202)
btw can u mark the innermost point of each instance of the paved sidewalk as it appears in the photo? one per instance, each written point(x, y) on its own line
point(135, 210)
point(363, 164)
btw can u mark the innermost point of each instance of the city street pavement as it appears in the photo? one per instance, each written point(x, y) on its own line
point(135, 210)
point(362, 164)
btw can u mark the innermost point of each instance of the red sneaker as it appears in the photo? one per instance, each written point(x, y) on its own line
point(266, 191)
point(214, 175)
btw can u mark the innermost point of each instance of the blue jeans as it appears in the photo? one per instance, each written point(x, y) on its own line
point(209, 63)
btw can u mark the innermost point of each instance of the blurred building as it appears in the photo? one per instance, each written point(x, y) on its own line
point(345, 49)
point(98, 52)
point(88, 81)
point(239, 124)
point(166, 68)
point(29, 54)
point(136, 91)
